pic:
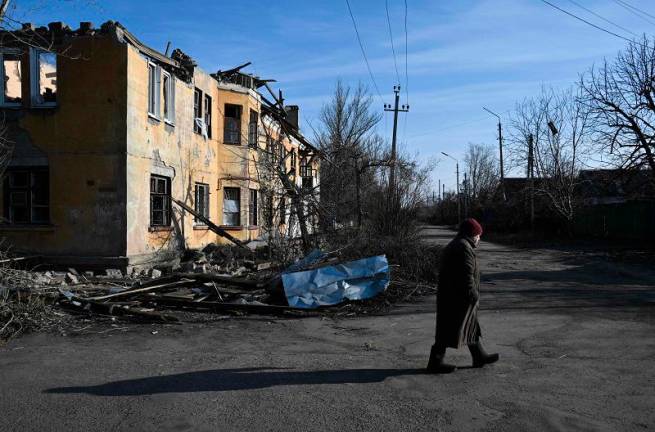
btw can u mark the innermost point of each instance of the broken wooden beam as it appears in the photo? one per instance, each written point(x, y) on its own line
point(226, 280)
point(141, 290)
point(211, 225)
point(114, 309)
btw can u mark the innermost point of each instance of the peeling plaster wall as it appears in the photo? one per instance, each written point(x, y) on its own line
point(155, 147)
point(237, 163)
point(83, 140)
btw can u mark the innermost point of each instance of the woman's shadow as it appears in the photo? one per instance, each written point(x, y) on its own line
point(219, 380)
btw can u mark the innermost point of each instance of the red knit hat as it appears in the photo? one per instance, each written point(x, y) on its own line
point(470, 228)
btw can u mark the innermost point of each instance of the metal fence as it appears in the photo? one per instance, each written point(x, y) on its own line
point(628, 220)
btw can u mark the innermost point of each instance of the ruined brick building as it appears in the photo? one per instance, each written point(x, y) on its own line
point(107, 133)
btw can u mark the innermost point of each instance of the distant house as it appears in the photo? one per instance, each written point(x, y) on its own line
point(615, 186)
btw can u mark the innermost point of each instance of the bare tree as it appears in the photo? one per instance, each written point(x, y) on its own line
point(483, 169)
point(620, 97)
point(557, 127)
point(352, 150)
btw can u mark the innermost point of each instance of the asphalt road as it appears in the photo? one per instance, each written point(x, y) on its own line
point(575, 335)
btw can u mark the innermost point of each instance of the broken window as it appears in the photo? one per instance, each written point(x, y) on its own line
point(231, 206)
point(252, 128)
point(271, 148)
point(282, 152)
point(153, 90)
point(197, 110)
point(202, 201)
point(43, 77)
point(27, 196)
point(11, 72)
point(208, 115)
point(307, 174)
point(307, 183)
point(232, 126)
point(252, 208)
point(293, 160)
point(169, 97)
point(160, 201)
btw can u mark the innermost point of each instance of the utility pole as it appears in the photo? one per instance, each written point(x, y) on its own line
point(531, 178)
point(500, 148)
point(396, 110)
point(439, 190)
point(459, 199)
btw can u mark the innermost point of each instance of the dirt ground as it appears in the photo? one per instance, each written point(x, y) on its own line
point(574, 331)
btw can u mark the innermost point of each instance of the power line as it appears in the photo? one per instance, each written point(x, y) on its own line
point(603, 18)
point(591, 24)
point(361, 46)
point(452, 126)
point(636, 12)
point(637, 9)
point(393, 50)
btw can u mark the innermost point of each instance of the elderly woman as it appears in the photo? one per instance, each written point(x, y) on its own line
point(457, 301)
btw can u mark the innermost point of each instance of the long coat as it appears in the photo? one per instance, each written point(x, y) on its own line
point(458, 294)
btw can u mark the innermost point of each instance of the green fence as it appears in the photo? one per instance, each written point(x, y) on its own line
point(629, 220)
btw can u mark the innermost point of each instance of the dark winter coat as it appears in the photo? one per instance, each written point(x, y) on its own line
point(458, 294)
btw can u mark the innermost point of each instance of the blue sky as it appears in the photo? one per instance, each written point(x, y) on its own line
point(462, 54)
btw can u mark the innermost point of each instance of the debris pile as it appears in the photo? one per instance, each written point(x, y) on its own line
point(219, 278)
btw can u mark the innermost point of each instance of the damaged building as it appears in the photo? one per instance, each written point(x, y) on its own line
point(106, 134)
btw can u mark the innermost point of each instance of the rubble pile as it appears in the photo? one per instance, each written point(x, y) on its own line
point(224, 279)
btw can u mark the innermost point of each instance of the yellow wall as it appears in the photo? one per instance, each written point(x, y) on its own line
point(157, 147)
point(102, 147)
point(236, 163)
point(84, 139)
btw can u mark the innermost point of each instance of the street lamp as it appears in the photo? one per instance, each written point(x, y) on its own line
point(459, 210)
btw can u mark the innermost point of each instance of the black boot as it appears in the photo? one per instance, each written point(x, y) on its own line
point(480, 356)
point(436, 364)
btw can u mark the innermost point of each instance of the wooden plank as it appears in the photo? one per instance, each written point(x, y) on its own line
point(115, 309)
point(141, 290)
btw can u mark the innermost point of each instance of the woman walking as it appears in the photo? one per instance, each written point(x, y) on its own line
point(458, 299)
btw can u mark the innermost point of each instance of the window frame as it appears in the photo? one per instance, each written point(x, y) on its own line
point(204, 199)
point(35, 79)
point(197, 109)
point(238, 212)
point(207, 115)
point(237, 132)
point(154, 91)
point(293, 160)
point(28, 190)
point(168, 92)
point(166, 210)
point(282, 152)
point(16, 52)
point(253, 208)
point(253, 129)
point(271, 148)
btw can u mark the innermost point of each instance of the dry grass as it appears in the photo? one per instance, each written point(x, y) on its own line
point(23, 308)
